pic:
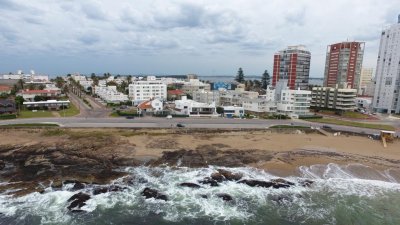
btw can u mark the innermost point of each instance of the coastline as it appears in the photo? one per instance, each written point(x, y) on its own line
point(91, 155)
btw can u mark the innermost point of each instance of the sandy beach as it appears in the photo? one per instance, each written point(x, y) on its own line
point(289, 149)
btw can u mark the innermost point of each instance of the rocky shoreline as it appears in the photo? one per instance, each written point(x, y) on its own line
point(94, 158)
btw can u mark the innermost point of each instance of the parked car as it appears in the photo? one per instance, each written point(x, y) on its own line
point(130, 117)
point(180, 125)
point(169, 117)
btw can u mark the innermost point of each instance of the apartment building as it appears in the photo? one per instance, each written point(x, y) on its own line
point(366, 81)
point(343, 64)
point(333, 98)
point(294, 103)
point(387, 78)
point(292, 64)
point(144, 90)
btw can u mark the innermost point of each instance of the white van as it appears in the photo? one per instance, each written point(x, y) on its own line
point(169, 117)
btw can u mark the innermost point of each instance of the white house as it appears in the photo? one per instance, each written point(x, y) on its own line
point(259, 105)
point(193, 108)
point(233, 111)
point(144, 90)
point(152, 105)
point(110, 94)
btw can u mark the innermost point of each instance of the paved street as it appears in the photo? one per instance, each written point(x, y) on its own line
point(151, 122)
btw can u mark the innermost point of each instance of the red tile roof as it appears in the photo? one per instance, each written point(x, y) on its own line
point(145, 105)
point(176, 92)
point(5, 88)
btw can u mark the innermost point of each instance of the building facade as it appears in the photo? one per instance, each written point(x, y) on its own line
point(145, 90)
point(365, 80)
point(387, 78)
point(192, 108)
point(294, 103)
point(292, 64)
point(333, 98)
point(343, 64)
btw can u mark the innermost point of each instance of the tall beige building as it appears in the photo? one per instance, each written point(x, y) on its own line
point(365, 80)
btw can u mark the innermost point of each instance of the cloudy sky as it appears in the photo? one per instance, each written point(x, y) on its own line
point(205, 37)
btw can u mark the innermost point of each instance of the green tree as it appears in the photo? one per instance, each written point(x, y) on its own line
point(220, 110)
point(39, 98)
point(265, 79)
point(240, 76)
point(59, 82)
point(19, 100)
point(41, 87)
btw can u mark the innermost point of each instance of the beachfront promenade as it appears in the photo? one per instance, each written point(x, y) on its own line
point(151, 122)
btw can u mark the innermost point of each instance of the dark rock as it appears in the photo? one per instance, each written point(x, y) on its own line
point(78, 211)
point(152, 193)
point(217, 177)
point(2, 164)
point(229, 175)
point(115, 188)
point(191, 185)
point(210, 181)
point(306, 183)
point(225, 197)
point(204, 196)
point(100, 190)
point(78, 200)
point(78, 186)
point(275, 183)
point(282, 181)
point(257, 183)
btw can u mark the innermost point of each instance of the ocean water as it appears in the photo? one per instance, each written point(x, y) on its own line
point(352, 194)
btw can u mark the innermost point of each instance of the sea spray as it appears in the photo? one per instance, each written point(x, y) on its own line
point(338, 195)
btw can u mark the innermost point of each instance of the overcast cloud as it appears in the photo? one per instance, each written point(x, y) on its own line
point(206, 37)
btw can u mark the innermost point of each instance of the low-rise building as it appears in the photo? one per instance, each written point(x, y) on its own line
point(294, 103)
point(152, 105)
point(363, 102)
point(192, 108)
point(50, 104)
point(4, 89)
point(110, 94)
point(176, 94)
point(259, 106)
point(208, 97)
point(333, 98)
point(194, 85)
point(233, 111)
point(29, 95)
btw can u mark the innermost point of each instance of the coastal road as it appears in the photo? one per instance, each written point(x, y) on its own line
point(151, 122)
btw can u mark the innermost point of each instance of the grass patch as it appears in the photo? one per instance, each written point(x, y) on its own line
point(77, 134)
point(72, 110)
point(352, 124)
point(39, 113)
point(32, 125)
point(289, 127)
point(114, 114)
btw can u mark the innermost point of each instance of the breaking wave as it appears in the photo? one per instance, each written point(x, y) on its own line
point(350, 194)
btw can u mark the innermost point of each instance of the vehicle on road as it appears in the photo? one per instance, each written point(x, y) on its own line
point(326, 127)
point(180, 125)
point(169, 117)
point(130, 117)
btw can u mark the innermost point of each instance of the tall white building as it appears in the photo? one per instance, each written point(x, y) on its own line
point(387, 89)
point(365, 80)
point(144, 90)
